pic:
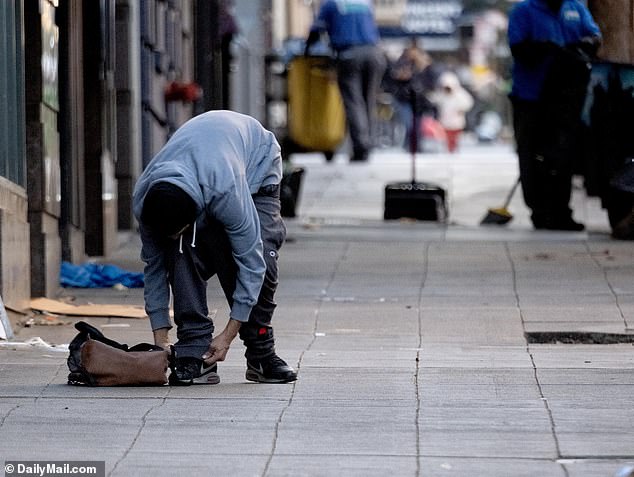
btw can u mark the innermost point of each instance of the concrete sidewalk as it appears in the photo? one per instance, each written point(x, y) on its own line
point(476, 179)
point(413, 341)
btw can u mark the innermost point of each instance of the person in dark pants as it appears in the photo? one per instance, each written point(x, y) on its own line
point(208, 204)
point(410, 80)
point(550, 41)
point(354, 36)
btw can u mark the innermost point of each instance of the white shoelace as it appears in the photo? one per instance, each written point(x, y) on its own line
point(180, 240)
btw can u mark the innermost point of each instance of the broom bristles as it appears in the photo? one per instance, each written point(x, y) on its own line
point(499, 216)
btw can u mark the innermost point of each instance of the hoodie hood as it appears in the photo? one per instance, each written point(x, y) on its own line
point(174, 172)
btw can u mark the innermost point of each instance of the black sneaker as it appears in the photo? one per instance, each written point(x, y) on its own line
point(270, 370)
point(189, 371)
point(565, 224)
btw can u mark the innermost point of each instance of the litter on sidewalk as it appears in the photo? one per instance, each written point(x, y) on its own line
point(47, 305)
point(35, 342)
point(95, 275)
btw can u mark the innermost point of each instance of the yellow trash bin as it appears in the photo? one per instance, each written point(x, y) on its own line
point(317, 120)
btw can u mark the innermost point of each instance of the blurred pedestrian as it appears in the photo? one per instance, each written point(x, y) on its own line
point(550, 42)
point(208, 203)
point(354, 36)
point(453, 102)
point(409, 80)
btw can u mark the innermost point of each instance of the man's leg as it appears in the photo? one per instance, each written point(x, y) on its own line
point(453, 135)
point(263, 365)
point(405, 116)
point(188, 275)
point(533, 175)
point(373, 71)
point(556, 151)
point(563, 153)
point(257, 333)
point(350, 79)
point(561, 191)
point(189, 289)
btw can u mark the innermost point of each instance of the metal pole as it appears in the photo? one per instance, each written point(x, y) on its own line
point(413, 137)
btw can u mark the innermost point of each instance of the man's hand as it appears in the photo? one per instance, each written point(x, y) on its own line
point(162, 339)
point(219, 346)
point(589, 45)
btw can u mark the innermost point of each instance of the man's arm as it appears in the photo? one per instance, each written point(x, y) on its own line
point(313, 37)
point(236, 211)
point(156, 288)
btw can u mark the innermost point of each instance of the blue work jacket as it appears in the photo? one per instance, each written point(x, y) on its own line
point(348, 23)
point(533, 20)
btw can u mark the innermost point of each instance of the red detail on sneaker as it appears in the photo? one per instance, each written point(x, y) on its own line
point(262, 331)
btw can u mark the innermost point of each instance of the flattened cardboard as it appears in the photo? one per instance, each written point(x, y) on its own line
point(108, 310)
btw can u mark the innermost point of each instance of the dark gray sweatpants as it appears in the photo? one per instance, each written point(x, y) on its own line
point(359, 73)
point(190, 270)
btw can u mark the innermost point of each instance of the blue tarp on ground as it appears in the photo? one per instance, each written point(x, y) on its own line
point(94, 275)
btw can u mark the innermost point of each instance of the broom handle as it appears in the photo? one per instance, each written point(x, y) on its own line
point(413, 138)
point(511, 193)
point(414, 165)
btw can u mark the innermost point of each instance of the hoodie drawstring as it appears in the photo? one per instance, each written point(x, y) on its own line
point(180, 240)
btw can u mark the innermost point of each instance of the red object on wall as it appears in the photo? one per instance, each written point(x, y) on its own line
point(186, 92)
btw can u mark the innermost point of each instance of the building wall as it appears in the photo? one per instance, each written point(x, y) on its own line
point(100, 141)
point(94, 111)
point(300, 17)
point(248, 50)
point(71, 136)
point(616, 21)
point(167, 55)
point(15, 283)
point(69, 17)
point(42, 144)
point(12, 165)
point(128, 90)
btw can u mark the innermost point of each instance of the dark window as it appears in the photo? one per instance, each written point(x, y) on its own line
point(12, 160)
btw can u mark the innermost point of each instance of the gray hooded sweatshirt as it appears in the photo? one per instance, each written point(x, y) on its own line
point(220, 158)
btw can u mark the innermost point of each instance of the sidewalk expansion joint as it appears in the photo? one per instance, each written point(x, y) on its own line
point(570, 459)
point(278, 423)
point(578, 337)
point(418, 357)
point(615, 295)
point(547, 408)
point(6, 416)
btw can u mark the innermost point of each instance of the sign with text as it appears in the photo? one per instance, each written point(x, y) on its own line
point(418, 17)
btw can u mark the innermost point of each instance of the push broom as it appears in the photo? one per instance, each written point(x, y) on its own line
point(501, 215)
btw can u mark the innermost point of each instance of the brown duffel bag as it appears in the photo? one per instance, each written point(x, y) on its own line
point(95, 360)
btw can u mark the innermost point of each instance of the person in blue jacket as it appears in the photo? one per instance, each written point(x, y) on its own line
point(208, 203)
point(354, 37)
point(551, 42)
